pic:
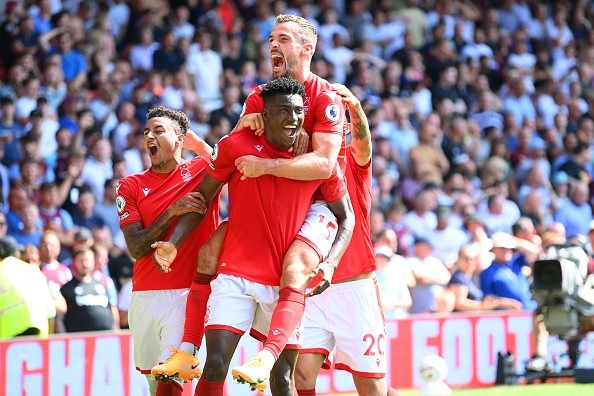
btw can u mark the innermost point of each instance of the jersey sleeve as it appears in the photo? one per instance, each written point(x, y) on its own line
point(333, 188)
point(126, 203)
point(328, 113)
point(253, 103)
point(222, 159)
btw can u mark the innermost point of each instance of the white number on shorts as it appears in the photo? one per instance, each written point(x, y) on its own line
point(328, 226)
point(379, 345)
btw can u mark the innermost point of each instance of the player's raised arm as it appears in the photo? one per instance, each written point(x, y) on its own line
point(361, 136)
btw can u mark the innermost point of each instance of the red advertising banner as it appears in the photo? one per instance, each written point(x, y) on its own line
point(101, 364)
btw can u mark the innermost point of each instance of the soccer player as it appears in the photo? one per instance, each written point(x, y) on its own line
point(149, 204)
point(292, 44)
point(347, 317)
point(266, 215)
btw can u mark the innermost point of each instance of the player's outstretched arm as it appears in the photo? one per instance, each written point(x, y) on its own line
point(166, 251)
point(139, 238)
point(361, 136)
point(345, 216)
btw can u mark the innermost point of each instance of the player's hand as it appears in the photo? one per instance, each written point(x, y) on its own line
point(190, 202)
point(253, 121)
point(326, 270)
point(250, 166)
point(347, 96)
point(301, 143)
point(164, 254)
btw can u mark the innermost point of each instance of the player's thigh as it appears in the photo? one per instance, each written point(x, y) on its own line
point(370, 386)
point(307, 369)
point(359, 328)
point(267, 299)
point(171, 309)
point(229, 305)
point(208, 256)
point(144, 328)
point(319, 229)
point(299, 262)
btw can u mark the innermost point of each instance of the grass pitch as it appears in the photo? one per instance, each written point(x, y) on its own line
point(549, 389)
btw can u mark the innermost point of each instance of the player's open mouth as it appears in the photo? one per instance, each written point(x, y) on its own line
point(152, 149)
point(278, 62)
point(291, 130)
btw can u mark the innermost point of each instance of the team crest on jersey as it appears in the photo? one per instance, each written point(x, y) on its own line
point(332, 112)
point(185, 173)
point(306, 105)
point(120, 203)
point(215, 152)
point(118, 188)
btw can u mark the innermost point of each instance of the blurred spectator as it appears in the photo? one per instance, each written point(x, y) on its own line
point(391, 280)
point(25, 301)
point(101, 273)
point(141, 54)
point(576, 214)
point(431, 275)
point(206, 67)
point(98, 167)
point(168, 57)
point(85, 215)
point(53, 217)
point(428, 162)
point(88, 307)
point(446, 239)
point(107, 209)
point(56, 273)
point(74, 64)
point(500, 279)
point(31, 226)
point(469, 296)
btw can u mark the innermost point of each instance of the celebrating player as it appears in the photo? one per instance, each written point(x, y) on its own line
point(149, 204)
point(347, 318)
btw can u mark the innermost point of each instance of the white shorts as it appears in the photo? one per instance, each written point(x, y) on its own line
point(319, 229)
point(238, 304)
point(156, 319)
point(348, 317)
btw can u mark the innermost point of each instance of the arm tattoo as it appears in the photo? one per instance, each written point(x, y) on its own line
point(139, 240)
point(360, 129)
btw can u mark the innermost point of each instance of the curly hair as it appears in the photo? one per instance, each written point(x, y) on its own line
point(282, 86)
point(180, 119)
point(308, 32)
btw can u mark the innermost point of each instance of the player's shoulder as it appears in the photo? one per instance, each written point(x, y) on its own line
point(132, 180)
point(319, 85)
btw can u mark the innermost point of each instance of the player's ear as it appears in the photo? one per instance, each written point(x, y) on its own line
point(265, 114)
point(181, 139)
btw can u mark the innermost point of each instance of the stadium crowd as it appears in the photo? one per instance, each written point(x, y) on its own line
point(480, 113)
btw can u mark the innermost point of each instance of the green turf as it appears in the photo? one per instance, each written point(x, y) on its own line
point(521, 390)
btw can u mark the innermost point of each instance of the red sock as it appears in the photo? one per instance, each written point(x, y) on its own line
point(207, 388)
point(306, 392)
point(169, 389)
point(285, 318)
point(196, 309)
point(392, 392)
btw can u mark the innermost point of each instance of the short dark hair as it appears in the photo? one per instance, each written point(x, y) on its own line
point(282, 86)
point(180, 118)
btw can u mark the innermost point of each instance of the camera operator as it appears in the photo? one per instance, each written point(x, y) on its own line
point(540, 333)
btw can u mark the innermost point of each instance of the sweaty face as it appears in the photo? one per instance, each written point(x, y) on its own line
point(285, 49)
point(161, 141)
point(284, 119)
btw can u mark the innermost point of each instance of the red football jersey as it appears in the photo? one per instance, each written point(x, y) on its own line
point(143, 197)
point(359, 257)
point(266, 212)
point(323, 107)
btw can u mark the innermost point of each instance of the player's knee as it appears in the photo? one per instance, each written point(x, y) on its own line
point(281, 377)
point(215, 367)
point(303, 379)
point(370, 386)
point(294, 275)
